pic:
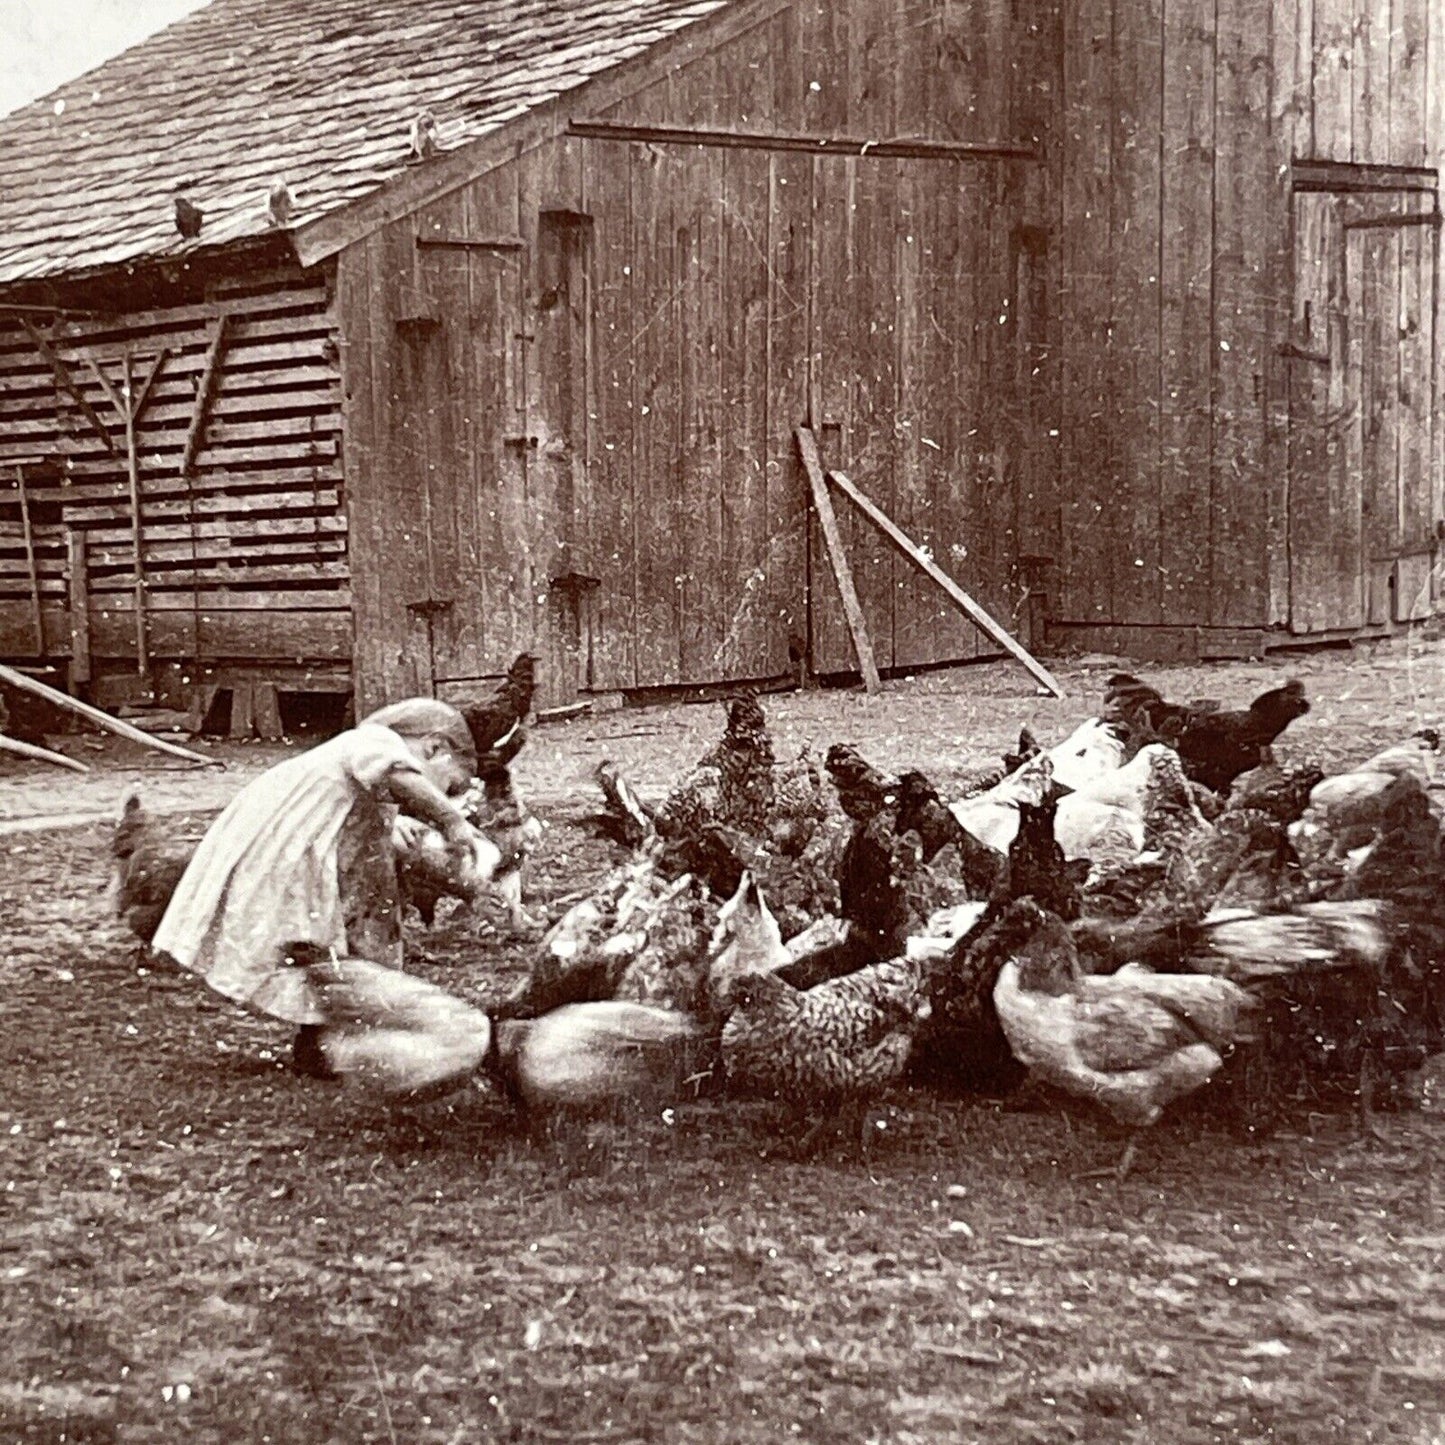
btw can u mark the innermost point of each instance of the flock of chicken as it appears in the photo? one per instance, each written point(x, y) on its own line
point(1152, 905)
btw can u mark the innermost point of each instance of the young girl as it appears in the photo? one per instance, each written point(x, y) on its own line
point(301, 865)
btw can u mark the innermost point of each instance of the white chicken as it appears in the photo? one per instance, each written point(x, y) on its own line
point(1131, 1041)
point(589, 1058)
point(394, 1033)
point(1092, 753)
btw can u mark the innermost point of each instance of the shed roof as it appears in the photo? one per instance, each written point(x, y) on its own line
point(319, 93)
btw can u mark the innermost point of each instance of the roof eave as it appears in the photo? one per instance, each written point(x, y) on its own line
point(416, 188)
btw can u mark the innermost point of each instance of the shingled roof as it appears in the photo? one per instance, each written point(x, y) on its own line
point(319, 93)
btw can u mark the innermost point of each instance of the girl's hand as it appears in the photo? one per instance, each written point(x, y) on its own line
point(407, 833)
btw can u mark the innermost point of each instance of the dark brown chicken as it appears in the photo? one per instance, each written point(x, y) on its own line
point(147, 863)
point(1036, 866)
point(863, 790)
point(1215, 744)
point(496, 722)
point(920, 810)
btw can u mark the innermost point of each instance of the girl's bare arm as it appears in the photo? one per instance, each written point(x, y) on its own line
point(415, 795)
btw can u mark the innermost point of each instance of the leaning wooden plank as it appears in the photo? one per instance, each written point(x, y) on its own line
point(956, 594)
point(205, 394)
point(842, 573)
point(39, 755)
point(102, 718)
point(63, 376)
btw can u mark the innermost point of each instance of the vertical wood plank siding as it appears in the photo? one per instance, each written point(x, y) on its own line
point(1216, 455)
point(1089, 362)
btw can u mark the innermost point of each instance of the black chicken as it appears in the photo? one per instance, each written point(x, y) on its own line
point(496, 723)
point(1215, 744)
point(1036, 866)
point(920, 810)
point(962, 1044)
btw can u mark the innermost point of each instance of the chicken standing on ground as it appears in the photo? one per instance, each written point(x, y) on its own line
point(829, 1048)
point(147, 864)
point(1215, 744)
point(1132, 1042)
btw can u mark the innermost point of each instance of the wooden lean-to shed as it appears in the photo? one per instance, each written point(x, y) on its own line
point(502, 319)
point(521, 363)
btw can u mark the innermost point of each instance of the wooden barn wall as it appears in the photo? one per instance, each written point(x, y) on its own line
point(883, 298)
point(1180, 119)
point(712, 300)
point(244, 555)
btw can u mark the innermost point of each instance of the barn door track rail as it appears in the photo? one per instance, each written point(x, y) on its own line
point(808, 449)
point(900, 148)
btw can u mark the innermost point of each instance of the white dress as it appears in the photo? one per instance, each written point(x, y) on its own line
point(268, 872)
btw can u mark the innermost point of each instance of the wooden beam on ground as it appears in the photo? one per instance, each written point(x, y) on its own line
point(101, 718)
point(940, 578)
point(842, 573)
point(39, 755)
point(205, 392)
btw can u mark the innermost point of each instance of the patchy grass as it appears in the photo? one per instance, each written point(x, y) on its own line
point(198, 1246)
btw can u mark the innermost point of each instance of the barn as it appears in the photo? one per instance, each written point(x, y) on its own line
point(502, 318)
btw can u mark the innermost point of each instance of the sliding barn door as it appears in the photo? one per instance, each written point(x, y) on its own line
point(1363, 499)
point(696, 360)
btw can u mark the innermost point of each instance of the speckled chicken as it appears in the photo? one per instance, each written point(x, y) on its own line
point(824, 1048)
point(731, 783)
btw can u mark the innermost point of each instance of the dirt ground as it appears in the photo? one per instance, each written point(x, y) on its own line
point(196, 1245)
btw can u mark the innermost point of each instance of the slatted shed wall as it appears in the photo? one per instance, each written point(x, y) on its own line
point(1196, 485)
point(244, 553)
point(582, 442)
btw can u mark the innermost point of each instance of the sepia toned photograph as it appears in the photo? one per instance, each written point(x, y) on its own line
point(720, 722)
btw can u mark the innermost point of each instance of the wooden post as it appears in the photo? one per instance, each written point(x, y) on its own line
point(132, 467)
point(951, 589)
point(79, 609)
point(129, 406)
point(842, 573)
point(34, 571)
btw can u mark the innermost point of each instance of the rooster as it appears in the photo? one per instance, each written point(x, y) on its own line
point(146, 866)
